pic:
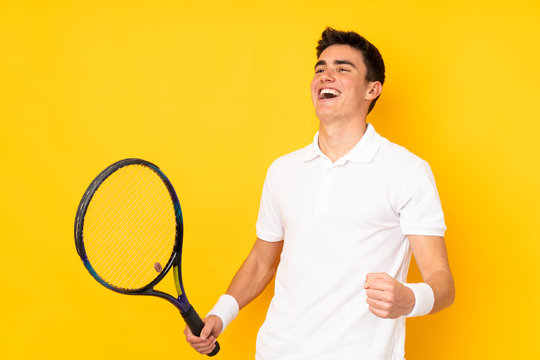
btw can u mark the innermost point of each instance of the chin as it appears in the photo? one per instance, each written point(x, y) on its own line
point(326, 116)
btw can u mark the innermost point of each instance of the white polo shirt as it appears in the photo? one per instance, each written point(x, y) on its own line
point(340, 221)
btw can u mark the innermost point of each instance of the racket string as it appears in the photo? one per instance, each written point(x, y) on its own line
point(130, 221)
point(130, 226)
point(105, 228)
point(134, 252)
point(152, 255)
point(107, 211)
point(134, 282)
point(111, 211)
point(105, 186)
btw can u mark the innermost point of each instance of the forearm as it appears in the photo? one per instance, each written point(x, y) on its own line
point(432, 259)
point(249, 282)
point(256, 272)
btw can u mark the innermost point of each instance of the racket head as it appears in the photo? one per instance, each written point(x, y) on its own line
point(129, 227)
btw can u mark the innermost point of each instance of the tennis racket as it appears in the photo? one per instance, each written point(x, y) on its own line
point(129, 231)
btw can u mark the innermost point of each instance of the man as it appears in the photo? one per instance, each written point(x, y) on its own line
point(338, 220)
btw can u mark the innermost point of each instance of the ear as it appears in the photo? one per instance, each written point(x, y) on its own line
point(374, 90)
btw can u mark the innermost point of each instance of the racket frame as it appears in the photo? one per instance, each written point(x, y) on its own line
point(181, 302)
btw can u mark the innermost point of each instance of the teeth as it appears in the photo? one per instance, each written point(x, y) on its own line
point(329, 91)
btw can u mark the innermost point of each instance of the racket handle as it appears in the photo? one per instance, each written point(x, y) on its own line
point(195, 324)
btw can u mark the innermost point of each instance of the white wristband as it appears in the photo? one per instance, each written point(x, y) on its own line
point(425, 299)
point(226, 308)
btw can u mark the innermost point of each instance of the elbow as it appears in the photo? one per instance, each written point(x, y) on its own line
point(452, 294)
point(449, 293)
point(444, 291)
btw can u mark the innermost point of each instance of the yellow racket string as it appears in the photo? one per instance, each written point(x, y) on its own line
point(130, 228)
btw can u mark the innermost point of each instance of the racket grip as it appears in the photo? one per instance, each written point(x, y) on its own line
point(195, 324)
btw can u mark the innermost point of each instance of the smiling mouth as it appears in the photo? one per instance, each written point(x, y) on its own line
point(328, 93)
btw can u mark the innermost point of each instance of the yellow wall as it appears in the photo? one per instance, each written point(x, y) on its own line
point(212, 92)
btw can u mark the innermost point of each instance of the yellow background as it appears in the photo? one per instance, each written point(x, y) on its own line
point(212, 92)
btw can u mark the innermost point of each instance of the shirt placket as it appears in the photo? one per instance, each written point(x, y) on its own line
point(325, 188)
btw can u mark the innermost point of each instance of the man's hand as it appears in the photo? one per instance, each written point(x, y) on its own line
point(388, 298)
point(207, 341)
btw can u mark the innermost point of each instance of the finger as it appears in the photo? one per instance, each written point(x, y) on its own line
point(380, 275)
point(375, 276)
point(379, 284)
point(204, 345)
point(189, 335)
point(208, 349)
point(380, 313)
point(379, 295)
point(193, 339)
point(379, 305)
point(207, 329)
point(205, 332)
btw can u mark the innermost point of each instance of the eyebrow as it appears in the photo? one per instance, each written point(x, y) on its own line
point(336, 62)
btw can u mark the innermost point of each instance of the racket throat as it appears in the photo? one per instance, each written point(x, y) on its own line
point(181, 303)
point(178, 282)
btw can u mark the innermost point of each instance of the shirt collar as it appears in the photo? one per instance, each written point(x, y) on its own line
point(363, 151)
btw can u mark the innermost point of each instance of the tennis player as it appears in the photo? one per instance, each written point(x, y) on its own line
point(338, 222)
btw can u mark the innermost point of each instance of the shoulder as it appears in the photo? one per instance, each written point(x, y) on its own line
point(291, 160)
point(397, 157)
point(407, 171)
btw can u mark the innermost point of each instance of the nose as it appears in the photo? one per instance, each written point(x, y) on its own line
point(327, 75)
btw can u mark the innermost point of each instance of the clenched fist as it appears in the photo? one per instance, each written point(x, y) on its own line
point(388, 298)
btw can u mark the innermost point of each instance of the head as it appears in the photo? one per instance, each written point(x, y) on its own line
point(372, 59)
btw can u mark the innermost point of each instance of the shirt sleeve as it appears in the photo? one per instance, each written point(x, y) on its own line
point(420, 210)
point(269, 227)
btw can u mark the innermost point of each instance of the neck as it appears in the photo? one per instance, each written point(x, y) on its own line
point(336, 140)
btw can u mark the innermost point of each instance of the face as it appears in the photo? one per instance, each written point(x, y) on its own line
point(339, 88)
